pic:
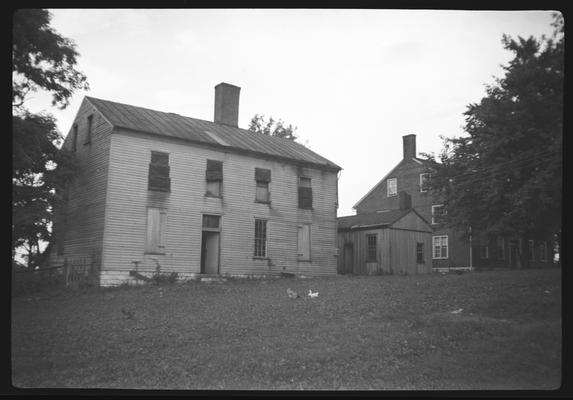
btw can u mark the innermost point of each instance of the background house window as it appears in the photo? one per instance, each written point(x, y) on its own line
point(260, 238)
point(304, 242)
point(392, 187)
point(531, 245)
point(424, 182)
point(484, 252)
point(156, 219)
point(158, 178)
point(420, 253)
point(371, 248)
point(75, 138)
point(214, 178)
point(89, 130)
point(438, 212)
point(440, 246)
point(500, 242)
point(304, 193)
point(262, 178)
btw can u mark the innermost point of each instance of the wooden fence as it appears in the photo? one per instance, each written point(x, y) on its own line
point(74, 272)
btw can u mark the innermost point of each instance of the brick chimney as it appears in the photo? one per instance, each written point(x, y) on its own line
point(405, 200)
point(227, 104)
point(409, 146)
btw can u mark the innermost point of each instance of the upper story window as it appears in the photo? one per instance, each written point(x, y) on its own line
point(75, 138)
point(438, 212)
point(304, 193)
point(214, 178)
point(424, 182)
point(89, 130)
point(262, 178)
point(158, 178)
point(392, 187)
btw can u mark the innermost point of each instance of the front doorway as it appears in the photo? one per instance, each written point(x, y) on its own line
point(210, 244)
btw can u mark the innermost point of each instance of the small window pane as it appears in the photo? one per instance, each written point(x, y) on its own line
point(262, 192)
point(420, 253)
point(372, 247)
point(260, 238)
point(214, 188)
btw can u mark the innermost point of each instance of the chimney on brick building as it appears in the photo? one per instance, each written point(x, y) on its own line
point(227, 104)
point(405, 200)
point(409, 146)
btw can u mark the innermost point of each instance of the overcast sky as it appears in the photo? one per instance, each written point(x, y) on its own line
point(353, 81)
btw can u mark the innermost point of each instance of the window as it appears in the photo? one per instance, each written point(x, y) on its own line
point(392, 187)
point(262, 178)
point(420, 253)
point(156, 219)
point(260, 238)
point(543, 251)
point(484, 252)
point(371, 247)
point(211, 222)
point(440, 245)
point(304, 242)
point(531, 246)
point(214, 178)
point(75, 138)
point(158, 178)
point(424, 182)
point(304, 193)
point(438, 212)
point(89, 130)
point(500, 241)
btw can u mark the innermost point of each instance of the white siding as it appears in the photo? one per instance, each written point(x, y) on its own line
point(128, 200)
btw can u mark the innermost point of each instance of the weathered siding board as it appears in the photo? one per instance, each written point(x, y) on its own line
point(403, 244)
point(84, 216)
point(128, 199)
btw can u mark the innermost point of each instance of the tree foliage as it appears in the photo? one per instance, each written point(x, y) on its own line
point(42, 60)
point(272, 127)
point(505, 176)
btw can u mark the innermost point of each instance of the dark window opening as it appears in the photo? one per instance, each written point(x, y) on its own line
point(304, 193)
point(158, 178)
point(211, 221)
point(214, 178)
point(420, 253)
point(89, 130)
point(262, 177)
point(371, 241)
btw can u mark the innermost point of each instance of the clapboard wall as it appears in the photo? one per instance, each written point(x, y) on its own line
point(128, 198)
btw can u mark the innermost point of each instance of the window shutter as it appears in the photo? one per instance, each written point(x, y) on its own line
point(158, 177)
point(152, 230)
point(304, 242)
point(262, 175)
point(214, 170)
point(305, 198)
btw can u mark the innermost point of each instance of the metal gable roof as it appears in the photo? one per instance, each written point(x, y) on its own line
point(373, 219)
point(195, 130)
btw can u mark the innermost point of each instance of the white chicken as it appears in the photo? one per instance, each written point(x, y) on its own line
point(312, 294)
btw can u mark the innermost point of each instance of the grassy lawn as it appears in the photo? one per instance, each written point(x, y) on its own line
point(379, 332)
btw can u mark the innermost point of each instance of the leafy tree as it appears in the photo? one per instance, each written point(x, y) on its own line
point(505, 176)
point(41, 60)
point(272, 128)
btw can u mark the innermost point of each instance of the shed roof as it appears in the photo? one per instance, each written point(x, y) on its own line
point(210, 133)
point(373, 219)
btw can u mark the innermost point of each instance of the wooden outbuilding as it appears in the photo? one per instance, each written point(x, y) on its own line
point(386, 242)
